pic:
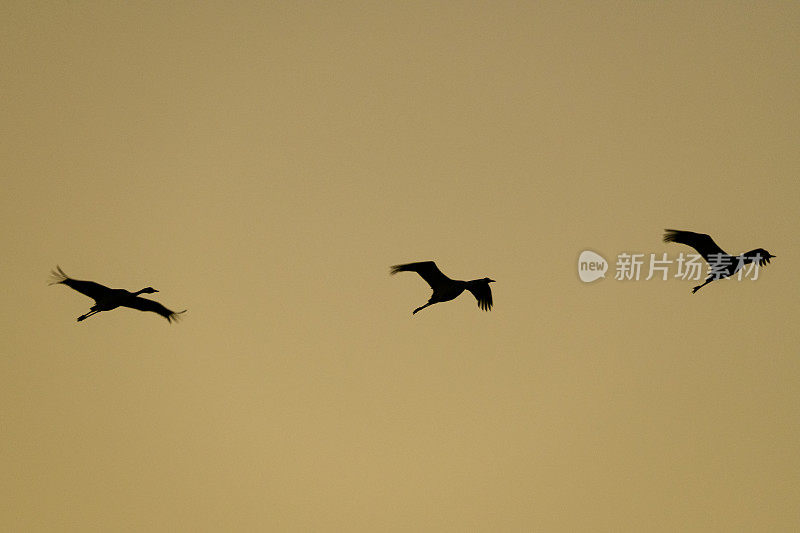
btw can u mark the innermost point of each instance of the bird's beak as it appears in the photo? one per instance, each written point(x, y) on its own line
point(492, 281)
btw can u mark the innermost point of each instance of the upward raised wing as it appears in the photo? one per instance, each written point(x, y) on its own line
point(143, 304)
point(89, 288)
point(701, 242)
point(482, 292)
point(427, 269)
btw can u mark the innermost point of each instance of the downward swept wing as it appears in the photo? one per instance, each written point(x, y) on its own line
point(143, 304)
point(483, 293)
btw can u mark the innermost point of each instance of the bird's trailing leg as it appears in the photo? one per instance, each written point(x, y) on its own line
point(421, 308)
point(709, 280)
point(87, 315)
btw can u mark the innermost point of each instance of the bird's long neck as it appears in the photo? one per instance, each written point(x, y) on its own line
point(137, 293)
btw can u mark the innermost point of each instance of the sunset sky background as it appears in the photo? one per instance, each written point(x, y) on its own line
point(263, 164)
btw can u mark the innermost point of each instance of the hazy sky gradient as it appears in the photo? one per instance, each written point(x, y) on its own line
point(263, 164)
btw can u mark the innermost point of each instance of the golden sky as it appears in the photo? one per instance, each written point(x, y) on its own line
point(263, 164)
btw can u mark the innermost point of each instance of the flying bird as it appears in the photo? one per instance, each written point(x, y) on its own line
point(106, 299)
point(721, 263)
point(446, 289)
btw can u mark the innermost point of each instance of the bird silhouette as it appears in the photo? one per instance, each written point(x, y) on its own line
point(721, 263)
point(446, 289)
point(107, 299)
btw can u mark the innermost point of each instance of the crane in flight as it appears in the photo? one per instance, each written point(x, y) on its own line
point(106, 299)
point(721, 263)
point(446, 289)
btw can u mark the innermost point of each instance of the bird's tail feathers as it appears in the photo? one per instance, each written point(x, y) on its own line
point(57, 276)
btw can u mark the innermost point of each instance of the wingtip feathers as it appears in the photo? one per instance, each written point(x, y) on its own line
point(57, 276)
point(670, 235)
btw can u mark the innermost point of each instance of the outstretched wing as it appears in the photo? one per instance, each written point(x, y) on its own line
point(701, 242)
point(89, 288)
point(143, 304)
point(761, 255)
point(427, 269)
point(483, 293)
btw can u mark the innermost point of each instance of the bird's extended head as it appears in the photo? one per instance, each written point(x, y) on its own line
point(147, 290)
point(489, 280)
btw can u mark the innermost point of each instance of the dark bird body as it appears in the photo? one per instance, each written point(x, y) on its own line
point(722, 264)
point(107, 299)
point(446, 289)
